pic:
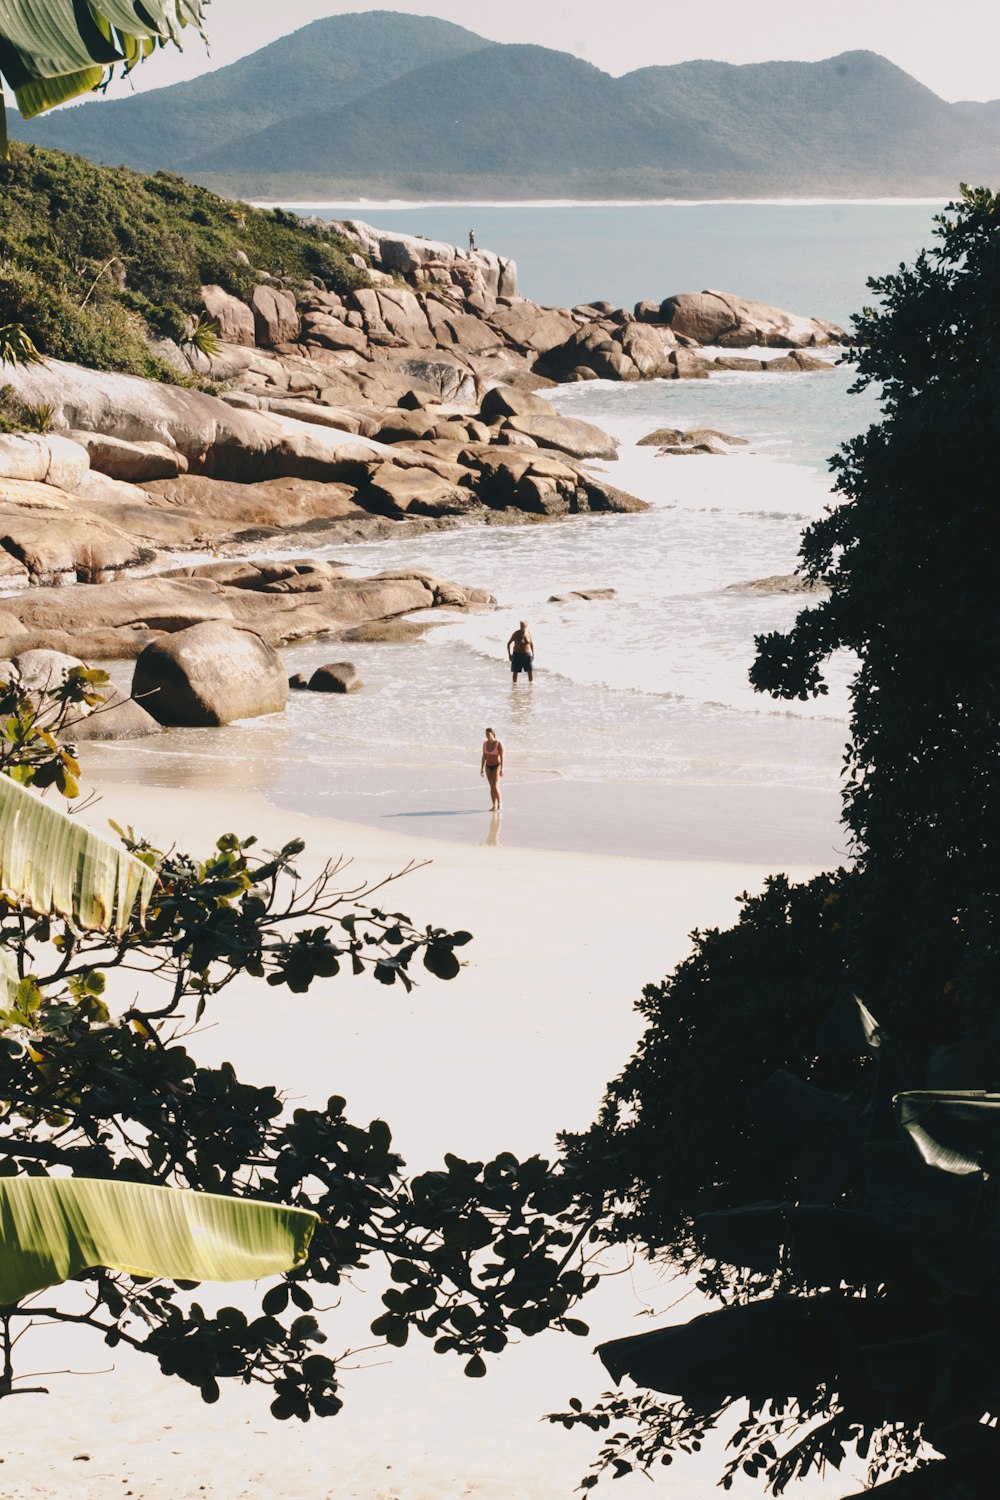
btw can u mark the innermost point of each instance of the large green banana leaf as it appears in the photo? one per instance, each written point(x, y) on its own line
point(54, 50)
point(55, 865)
point(54, 1228)
point(955, 1130)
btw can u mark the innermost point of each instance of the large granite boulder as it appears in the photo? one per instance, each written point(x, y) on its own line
point(49, 537)
point(687, 364)
point(403, 314)
point(42, 458)
point(794, 362)
point(216, 508)
point(208, 675)
point(41, 670)
point(275, 317)
point(235, 319)
point(443, 377)
point(646, 347)
point(212, 436)
point(131, 462)
point(566, 434)
point(534, 329)
point(394, 491)
point(738, 322)
point(328, 332)
point(136, 604)
point(503, 401)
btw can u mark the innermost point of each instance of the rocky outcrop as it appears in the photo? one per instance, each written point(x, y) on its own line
point(673, 441)
point(434, 262)
point(589, 595)
point(246, 468)
point(131, 462)
point(565, 434)
point(674, 437)
point(209, 674)
point(275, 316)
point(453, 318)
point(791, 364)
point(733, 322)
point(234, 318)
point(410, 403)
point(778, 583)
point(47, 537)
point(281, 602)
point(41, 458)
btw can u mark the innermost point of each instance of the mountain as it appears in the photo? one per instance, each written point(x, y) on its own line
point(988, 109)
point(323, 65)
point(380, 104)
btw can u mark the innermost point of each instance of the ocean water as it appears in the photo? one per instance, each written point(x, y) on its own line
point(641, 703)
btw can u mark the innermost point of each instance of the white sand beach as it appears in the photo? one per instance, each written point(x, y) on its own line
point(519, 1046)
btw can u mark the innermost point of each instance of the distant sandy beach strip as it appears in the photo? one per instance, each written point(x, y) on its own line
point(386, 205)
point(519, 1046)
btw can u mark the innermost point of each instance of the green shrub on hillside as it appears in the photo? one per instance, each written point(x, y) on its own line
point(20, 416)
point(94, 260)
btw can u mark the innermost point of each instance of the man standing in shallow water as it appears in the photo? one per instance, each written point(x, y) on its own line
point(521, 652)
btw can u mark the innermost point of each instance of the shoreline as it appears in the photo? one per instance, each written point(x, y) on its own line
point(647, 822)
point(387, 205)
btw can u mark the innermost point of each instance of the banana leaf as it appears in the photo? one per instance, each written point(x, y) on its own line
point(54, 51)
point(777, 1347)
point(849, 1028)
point(54, 1228)
point(824, 1245)
point(955, 1130)
point(54, 865)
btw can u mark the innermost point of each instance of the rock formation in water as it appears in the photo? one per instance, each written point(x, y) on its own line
point(407, 405)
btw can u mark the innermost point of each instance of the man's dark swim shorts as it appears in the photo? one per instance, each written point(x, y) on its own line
point(520, 661)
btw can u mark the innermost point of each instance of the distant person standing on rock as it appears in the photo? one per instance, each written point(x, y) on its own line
point(491, 766)
point(472, 239)
point(521, 652)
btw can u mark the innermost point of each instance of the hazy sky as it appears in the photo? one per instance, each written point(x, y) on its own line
point(952, 46)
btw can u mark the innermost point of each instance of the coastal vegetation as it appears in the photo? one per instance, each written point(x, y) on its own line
point(809, 1123)
point(22, 416)
point(94, 263)
point(381, 104)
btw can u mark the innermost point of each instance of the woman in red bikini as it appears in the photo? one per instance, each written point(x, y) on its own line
point(491, 766)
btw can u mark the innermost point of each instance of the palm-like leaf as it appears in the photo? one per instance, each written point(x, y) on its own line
point(955, 1130)
point(55, 866)
point(58, 49)
point(54, 1228)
